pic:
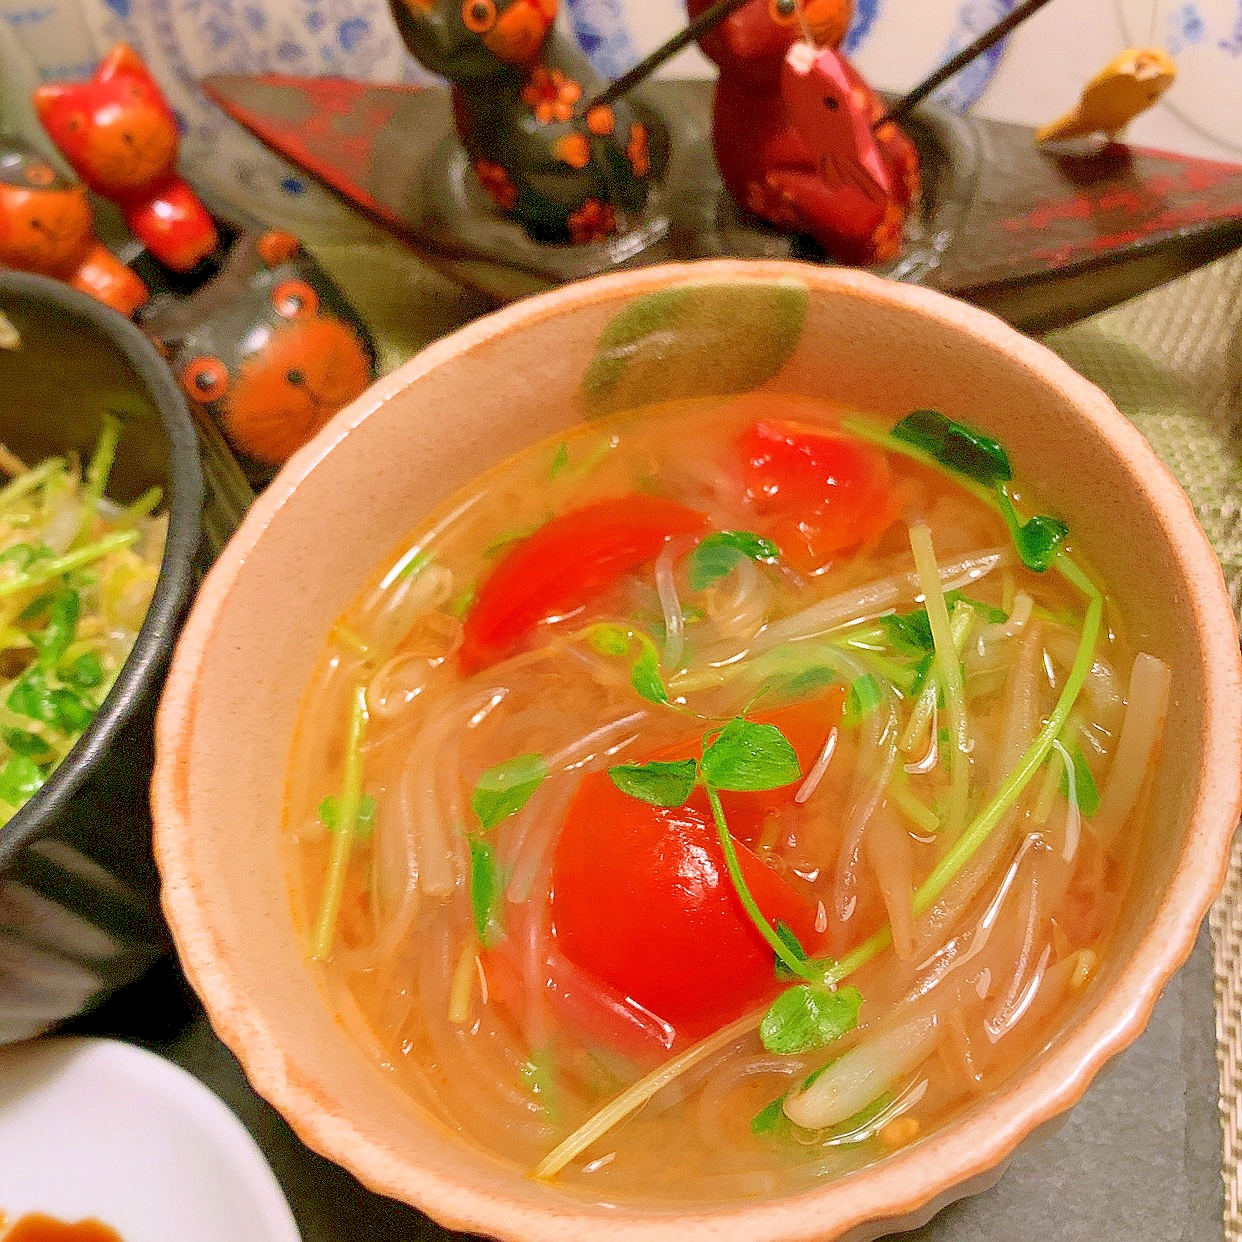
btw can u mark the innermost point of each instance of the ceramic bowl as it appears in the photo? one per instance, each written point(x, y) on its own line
point(336, 511)
point(79, 914)
point(97, 1128)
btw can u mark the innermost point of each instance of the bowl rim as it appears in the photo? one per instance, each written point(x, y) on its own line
point(141, 671)
point(909, 1185)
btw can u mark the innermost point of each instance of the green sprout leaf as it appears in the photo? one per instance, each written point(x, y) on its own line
point(73, 713)
point(364, 823)
point(864, 697)
point(746, 756)
point(23, 742)
point(84, 673)
point(505, 789)
point(771, 1118)
point(956, 446)
point(789, 938)
point(31, 696)
point(809, 681)
point(661, 784)
point(645, 675)
point(62, 622)
point(1084, 785)
point(1036, 541)
point(806, 1017)
point(559, 460)
point(485, 891)
point(609, 639)
point(717, 554)
point(19, 778)
point(618, 641)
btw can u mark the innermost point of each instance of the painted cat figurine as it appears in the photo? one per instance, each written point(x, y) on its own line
point(793, 130)
point(47, 226)
point(120, 135)
point(269, 348)
point(517, 91)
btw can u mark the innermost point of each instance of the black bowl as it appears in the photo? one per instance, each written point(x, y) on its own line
point(79, 914)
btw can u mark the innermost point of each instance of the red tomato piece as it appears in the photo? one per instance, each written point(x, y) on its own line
point(642, 900)
point(823, 492)
point(568, 561)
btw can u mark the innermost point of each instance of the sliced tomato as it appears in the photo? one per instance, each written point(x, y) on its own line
point(822, 493)
point(559, 569)
point(642, 900)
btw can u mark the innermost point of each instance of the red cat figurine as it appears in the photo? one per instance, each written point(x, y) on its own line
point(46, 226)
point(793, 130)
point(120, 135)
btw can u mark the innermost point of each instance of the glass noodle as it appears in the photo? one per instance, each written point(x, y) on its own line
point(720, 797)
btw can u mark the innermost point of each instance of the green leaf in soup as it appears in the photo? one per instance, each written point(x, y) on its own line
point(1038, 540)
point(19, 778)
point(661, 784)
point(31, 696)
point(863, 698)
point(956, 446)
point(364, 823)
point(609, 639)
point(806, 1017)
point(85, 673)
point(771, 1118)
point(485, 891)
point(809, 681)
point(62, 623)
point(1085, 788)
point(505, 789)
point(745, 756)
point(73, 713)
point(24, 742)
point(645, 675)
point(716, 555)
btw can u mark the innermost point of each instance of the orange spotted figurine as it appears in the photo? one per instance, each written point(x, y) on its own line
point(121, 137)
point(518, 87)
point(269, 348)
point(47, 226)
point(794, 130)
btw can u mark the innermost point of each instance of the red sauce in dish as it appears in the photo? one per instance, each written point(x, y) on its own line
point(39, 1228)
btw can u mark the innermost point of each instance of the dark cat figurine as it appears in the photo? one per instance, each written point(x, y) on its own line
point(120, 135)
point(269, 348)
point(47, 226)
point(518, 87)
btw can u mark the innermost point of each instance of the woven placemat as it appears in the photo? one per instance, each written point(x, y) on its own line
point(1172, 361)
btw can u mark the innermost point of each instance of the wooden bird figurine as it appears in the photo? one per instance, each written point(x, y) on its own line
point(1129, 84)
point(793, 130)
point(120, 135)
point(517, 87)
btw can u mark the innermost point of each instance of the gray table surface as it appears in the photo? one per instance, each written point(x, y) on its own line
point(1138, 1160)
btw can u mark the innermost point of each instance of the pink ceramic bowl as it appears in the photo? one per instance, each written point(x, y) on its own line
point(312, 540)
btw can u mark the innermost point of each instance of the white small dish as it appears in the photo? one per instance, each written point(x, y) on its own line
point(100, 1128)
